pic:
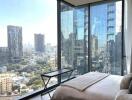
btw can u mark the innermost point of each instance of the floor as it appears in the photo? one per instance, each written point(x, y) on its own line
point(44, 97)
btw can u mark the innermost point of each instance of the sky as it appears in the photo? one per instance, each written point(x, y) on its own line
point(99, 23)
point(34, 16)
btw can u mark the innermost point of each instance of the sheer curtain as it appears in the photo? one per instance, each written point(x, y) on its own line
point(128, 34)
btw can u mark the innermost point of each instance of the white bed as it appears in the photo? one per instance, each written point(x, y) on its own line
point(105, 89)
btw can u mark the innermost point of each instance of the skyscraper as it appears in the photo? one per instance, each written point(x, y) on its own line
point(94, 46)
point(113, 19)
point(14, 43)
point(3, 55)
point(111, 13)
point(39, 43)
point(113, 28)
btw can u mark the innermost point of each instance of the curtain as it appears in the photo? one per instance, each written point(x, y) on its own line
point(128, 34)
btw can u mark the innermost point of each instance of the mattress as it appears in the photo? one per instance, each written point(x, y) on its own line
point(105, 89)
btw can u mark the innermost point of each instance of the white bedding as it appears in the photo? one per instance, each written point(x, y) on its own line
point(105, 89)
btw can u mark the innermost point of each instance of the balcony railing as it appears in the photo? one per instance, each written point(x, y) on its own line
point(44, 91)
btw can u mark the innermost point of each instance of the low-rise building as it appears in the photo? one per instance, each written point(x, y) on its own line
point(6, 83)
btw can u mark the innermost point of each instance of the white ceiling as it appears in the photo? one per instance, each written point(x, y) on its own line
point(80, 2)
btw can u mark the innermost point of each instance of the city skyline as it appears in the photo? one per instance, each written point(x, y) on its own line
point(29, 15)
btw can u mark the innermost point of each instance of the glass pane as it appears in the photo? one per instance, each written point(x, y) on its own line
point(81, 40)
point(28, 40)
point(74, 38)
point(67, 38)
point(106, 35)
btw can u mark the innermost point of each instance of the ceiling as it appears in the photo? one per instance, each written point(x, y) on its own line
point(81, 2)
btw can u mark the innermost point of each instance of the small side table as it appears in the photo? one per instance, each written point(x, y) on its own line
point(55, 74)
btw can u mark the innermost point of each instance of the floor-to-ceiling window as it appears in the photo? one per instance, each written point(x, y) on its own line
point(106, 37)
point(67, 36)
point(74, 38)
point(81, 40)
point(91, 37)
point(28, 45)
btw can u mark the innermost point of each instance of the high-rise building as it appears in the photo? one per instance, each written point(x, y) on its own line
point(39, 43)
point(113, 19)
point(118, 54)
point(113, 28)
point(94, 46)
point(111, 13)
point(3, 55)
point(15, 43)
